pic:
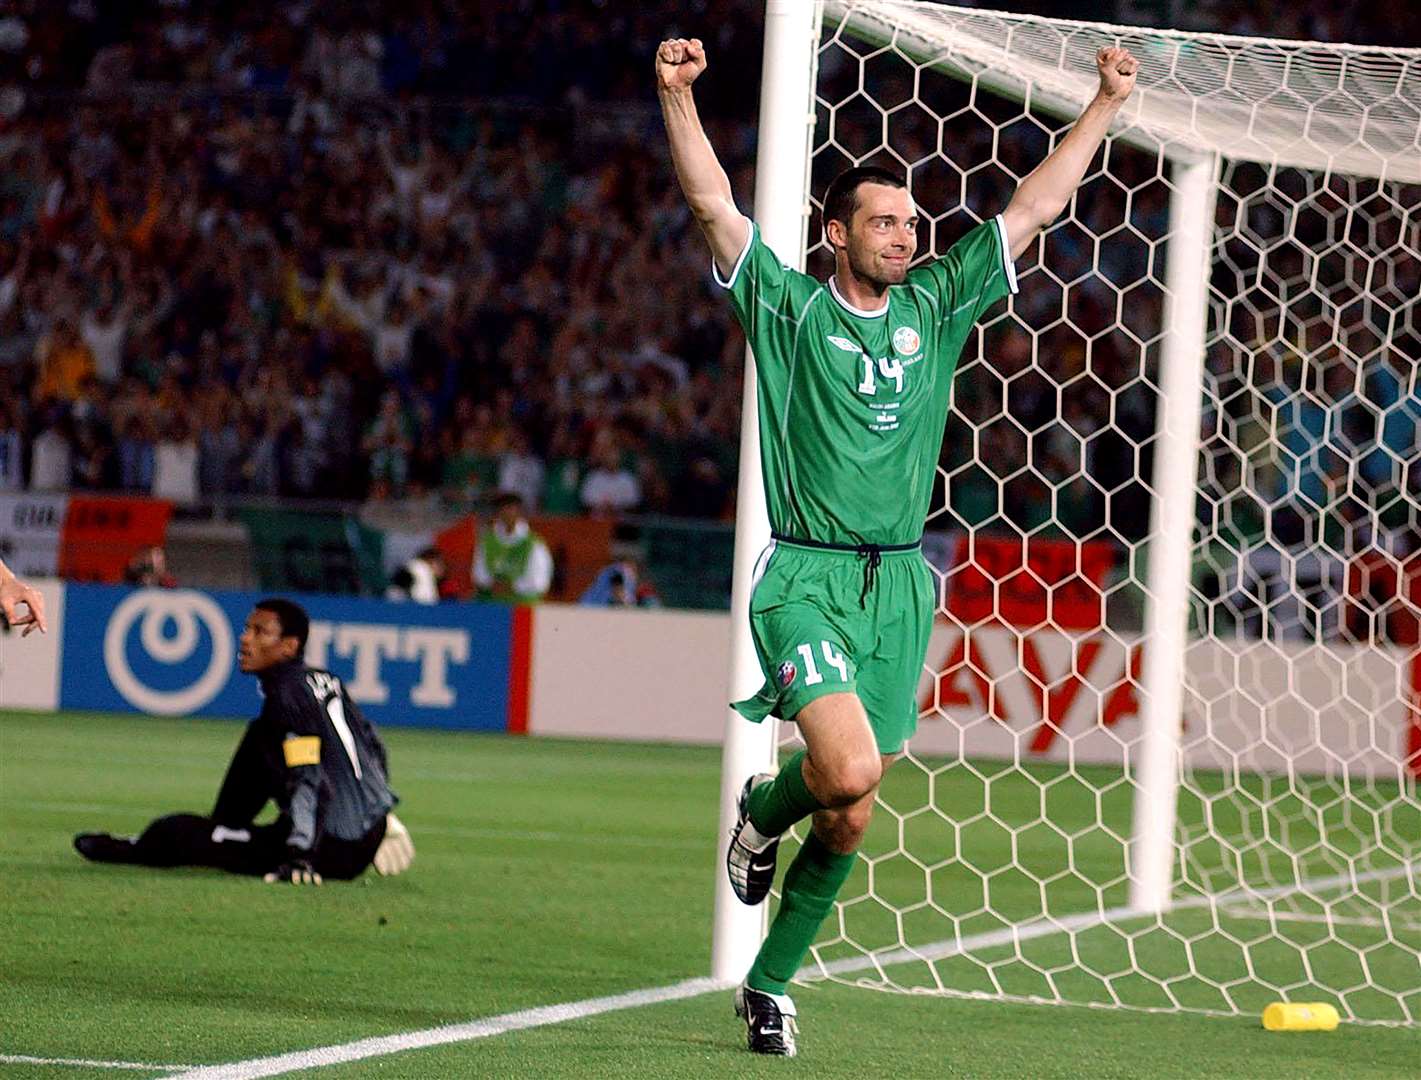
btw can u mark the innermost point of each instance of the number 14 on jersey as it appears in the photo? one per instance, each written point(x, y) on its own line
point(890, 367)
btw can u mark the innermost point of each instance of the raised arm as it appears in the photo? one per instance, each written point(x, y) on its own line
point(1041, 197)
point(703, 181)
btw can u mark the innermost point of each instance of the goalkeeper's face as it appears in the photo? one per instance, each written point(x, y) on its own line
point(883, 235)
point(263, 644)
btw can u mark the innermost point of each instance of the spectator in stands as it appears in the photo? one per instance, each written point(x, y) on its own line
point(65, 363)
point(388, 441)
point(12, 452)
point(419, 579)
point(520, 470)
point(620, 584)
point(610, 487)
point(51, 464)
point(511, 561)
point(175, 463)
point(104, 329)
point(136, 453)
point(149, 569)
point(562, 478)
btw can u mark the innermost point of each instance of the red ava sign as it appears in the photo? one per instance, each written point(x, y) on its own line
point(1025, 640)
point(1034, 686)
point(1023, 666)
point(1028, 582)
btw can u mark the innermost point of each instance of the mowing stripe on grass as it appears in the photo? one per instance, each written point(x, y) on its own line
point(84, 1063)
point(543, 1016)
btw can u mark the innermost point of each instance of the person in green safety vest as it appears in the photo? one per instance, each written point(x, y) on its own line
point(511, 561)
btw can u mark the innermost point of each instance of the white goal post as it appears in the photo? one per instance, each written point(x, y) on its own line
point(1182, 390)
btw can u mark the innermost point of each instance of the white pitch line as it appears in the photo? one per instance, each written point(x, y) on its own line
point(84, 1063)
point(384, 1045)
point(1319, 918)
point(451, 1033)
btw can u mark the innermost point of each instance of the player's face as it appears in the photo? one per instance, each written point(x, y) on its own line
point(261, 644)
point(883, 235)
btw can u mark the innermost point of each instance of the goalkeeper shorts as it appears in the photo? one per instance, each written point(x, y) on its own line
point(827, 620)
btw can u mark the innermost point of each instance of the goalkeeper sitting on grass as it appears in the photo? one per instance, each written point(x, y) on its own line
point(311, 752)
point(854, 378)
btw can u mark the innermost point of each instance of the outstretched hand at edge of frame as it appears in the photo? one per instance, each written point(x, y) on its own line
point(1117, 68)
point(21, 604)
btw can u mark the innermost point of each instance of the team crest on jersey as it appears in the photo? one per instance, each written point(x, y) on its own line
point(906, 340)
point(786, 673)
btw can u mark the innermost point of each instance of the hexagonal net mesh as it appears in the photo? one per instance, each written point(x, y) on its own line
point(998, 863)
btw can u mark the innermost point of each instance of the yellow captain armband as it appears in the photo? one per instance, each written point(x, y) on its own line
point(302, 750)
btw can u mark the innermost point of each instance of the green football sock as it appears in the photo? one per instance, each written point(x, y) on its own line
point(774, 807)
point(811, 883)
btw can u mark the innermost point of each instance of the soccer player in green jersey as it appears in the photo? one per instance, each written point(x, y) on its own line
point(854, 378)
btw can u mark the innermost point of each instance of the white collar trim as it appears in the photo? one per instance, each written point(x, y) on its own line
point(860, 312)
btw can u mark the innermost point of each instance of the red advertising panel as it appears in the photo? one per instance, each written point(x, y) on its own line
point(1384, 596)
point(101, 535)
point(1027, 583)
point(580, 547)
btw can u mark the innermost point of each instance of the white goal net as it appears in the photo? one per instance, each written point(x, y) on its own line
point(1005, 858)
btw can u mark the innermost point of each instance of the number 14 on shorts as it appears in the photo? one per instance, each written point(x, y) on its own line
point(832, 657)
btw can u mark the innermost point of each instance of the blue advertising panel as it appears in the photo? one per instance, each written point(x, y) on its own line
point(173, 652)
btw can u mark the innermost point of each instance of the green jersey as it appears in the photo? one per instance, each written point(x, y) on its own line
point(853, 404)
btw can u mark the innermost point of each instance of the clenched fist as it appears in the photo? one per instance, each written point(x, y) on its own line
point(1117, 73)
point(679, 62)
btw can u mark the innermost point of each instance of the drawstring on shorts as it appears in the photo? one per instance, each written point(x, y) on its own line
point(871, 554)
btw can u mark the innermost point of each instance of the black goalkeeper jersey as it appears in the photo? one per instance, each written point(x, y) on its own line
point(324, 763)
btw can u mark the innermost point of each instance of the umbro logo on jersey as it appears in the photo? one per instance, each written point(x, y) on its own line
point(843, 343)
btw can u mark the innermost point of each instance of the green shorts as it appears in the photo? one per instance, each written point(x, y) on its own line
point(824, 624)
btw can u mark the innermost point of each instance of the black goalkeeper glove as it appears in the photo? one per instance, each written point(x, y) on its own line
point(297, 870)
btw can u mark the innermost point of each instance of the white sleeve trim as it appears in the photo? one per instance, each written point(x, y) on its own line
point(735, 270)
point(1007, 264)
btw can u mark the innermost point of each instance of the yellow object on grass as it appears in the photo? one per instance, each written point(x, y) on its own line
point(1300, 1016)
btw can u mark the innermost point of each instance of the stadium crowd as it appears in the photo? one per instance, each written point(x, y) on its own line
point(417, 251)
point(290, 277)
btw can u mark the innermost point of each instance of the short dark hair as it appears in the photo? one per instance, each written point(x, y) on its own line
point(292, 618)
point(842, 198)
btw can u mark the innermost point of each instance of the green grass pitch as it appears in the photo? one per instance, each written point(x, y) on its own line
point(554, 871)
